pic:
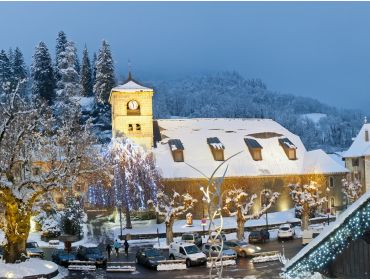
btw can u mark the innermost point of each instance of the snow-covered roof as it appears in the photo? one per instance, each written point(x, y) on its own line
point(329, 229)
point(359, 147)
point(193, 134)
point(130, 85)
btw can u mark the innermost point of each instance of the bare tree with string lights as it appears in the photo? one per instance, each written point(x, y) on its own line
point(212, 195)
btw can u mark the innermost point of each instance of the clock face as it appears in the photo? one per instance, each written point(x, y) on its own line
point(133, 105)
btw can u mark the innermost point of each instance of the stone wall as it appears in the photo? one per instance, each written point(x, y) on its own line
point(255, 185)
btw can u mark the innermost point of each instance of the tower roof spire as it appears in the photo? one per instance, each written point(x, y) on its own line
point(129, 71)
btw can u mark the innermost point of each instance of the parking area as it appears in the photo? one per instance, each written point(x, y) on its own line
point(244, 268)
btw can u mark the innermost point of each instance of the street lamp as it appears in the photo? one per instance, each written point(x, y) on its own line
point(266, 197)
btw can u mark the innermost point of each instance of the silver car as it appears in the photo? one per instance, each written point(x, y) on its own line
point(243, 248)
point(213, 250)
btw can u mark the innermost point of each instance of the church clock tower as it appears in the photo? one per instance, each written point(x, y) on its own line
point(132, 112)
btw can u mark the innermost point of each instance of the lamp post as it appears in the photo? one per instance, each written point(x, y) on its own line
point(203, 218)
point(266, 197)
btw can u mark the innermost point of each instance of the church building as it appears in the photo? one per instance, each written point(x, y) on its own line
point(187, 150)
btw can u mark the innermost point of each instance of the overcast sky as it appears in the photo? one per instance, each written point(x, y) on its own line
point(321, 50)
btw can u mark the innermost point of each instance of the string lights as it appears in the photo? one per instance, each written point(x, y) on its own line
point(320, 256)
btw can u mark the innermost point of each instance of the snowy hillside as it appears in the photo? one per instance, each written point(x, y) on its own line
point(232, 96)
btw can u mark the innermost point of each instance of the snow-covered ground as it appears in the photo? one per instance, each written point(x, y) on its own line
point(36, 236)
point(315, 117)
point(150, 227)
point(33, 266)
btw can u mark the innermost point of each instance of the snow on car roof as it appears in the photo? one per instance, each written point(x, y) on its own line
point(193, 134)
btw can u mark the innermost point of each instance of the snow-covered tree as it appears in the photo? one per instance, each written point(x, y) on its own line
point(351, 189)
point(238, 203)
point(19, 70)
point(5, 73)
point(29, 135)
point(42, 74)
point(72, 215)
point(135, 177)
point(86, 74)
point(307, 199)
point(172, 205)
point(94, 69)
point(68, 85)
point(60, 47)
point(105, 79)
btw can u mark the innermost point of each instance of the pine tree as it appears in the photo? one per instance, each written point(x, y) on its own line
point(86, 74)
point(43, 83)
point(19, 70)
point(60, 47)
point(105, 79)
point(69, 83)
point(94, 69)
point(77, 64)
point(72, 216)
point(5, 73)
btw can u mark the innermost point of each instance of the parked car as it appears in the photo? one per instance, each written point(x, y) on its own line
point(188, 251)
point(243, 248)
point(91, 252)
point(194, 238)
point(286, 231)
point(62, 257)
point(33, 250)
point(213, 250)
point(219, 237)
point(258, 236)
point(149, 257)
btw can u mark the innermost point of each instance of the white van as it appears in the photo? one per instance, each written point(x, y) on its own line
point(188, 252)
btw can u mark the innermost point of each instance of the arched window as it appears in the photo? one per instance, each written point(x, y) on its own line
point(265, 197)
point(331, 181)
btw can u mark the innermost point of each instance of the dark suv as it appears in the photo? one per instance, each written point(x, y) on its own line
point(258, 236)
point(90, 252)
point(149, 257)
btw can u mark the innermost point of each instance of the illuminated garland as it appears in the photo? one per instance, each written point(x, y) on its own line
point(333, 245)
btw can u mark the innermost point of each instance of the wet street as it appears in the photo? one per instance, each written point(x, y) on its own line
point(244, 268)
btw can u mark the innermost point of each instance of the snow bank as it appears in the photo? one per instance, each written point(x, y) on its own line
point(171, 266)
point(224, 263)
point(262, 259)
point(30, 267)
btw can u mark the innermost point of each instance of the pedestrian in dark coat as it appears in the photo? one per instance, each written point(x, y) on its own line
point(109, 250)
point(126, 247)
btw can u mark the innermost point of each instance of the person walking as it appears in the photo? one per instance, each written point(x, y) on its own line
point(109, 250)
point(116, 246)
point(126, 247)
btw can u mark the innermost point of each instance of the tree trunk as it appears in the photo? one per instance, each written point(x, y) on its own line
point(305, 216)
point(240, 226)
point(16, 232)
point(128, 218)
point(169, 231)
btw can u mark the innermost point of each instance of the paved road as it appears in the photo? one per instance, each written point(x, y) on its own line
point(243, 269)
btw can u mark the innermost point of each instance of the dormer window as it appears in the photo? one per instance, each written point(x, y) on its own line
point(177, 149)
point(366, 136)
point(254, 148)
point(289, 148)
point(217, 148)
